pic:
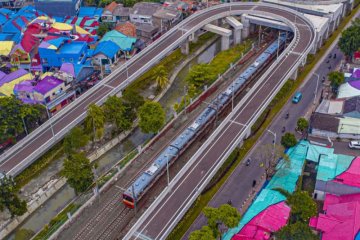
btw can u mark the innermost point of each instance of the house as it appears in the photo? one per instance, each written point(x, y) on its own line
point(58, 7)
point(89, 24)
point(127, 29)
point(55, 52)
point(341, 218)
point(106, 50)
point(107, 15)
point(124, 42)
point(143, 12)
point(8, 81)
point(352, 107)
point(121, 13)
point(324, 125)
point(166, 17)
point(93, 12)
point(147, 32)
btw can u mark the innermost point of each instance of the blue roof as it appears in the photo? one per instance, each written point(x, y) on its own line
point(10, 37)
point(124, 42)
point(57, 41)
point(73, 47)
point(58, 19)
point(90, 12)
point(108, 48)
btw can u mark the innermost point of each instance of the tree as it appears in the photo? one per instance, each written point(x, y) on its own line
point(303, 207)
point(269, 156)
point(78, 172)
point(74, 140)
point(288, 140)
point(161, 77)
point(24, 234)
point(103, 28)
point(103, 3)
point(200, 75)
point(128, 3)
point(205, 233)
point(95, 121)
point(296, 231)
point(133, 99)
point(151, 117)
point(115, 113)
point(349, 41)
point(302, 124)
point(222, 218)
point(9, 199)
point(336, 79)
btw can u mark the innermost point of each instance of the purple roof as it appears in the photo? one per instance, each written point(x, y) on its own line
point(355, 84)
point(14, 75)
point(356, 73)
point(47, 84)
point(68, 68)
point(2, 74)
point(25, 86)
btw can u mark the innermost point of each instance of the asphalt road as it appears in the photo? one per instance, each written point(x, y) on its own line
point(160, 221)
point(239, 185)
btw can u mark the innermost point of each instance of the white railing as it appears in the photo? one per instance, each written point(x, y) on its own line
point(202, 184)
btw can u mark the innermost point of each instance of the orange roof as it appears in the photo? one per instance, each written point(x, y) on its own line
point(127, 29)
point(111, 6)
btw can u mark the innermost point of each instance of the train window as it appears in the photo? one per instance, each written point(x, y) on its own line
point(128, 198)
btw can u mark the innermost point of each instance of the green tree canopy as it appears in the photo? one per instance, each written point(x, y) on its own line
point(95, 121)
point(103, 28)
point(78, 172)
point(133, 99)
point(74, 140)
point(288, 140)
point(115, 113)
point(349, 41)
point(225, 215)
point(9, 199)
point(296, 231)
point(336, 79)
point(205, 233)
point(200, 75)
point(151, 117)
point(161, 76)
point(302, 124)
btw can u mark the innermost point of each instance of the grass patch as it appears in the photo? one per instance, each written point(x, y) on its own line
point(203, 200)
point(36, 168)
point(56, 222)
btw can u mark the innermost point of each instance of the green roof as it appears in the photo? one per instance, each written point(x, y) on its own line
point(124, 42)
point(332, 165)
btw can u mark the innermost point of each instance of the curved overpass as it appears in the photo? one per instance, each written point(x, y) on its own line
point(162, 216)
point(36, 143)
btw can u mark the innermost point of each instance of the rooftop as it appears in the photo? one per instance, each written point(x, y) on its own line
point(5, 47)
point(351, 105)
point(124, 42)
point(167, 13)
point(108, 48)
point(111, 7)
point(47, 84)
point(72, 48)
point(324, 122)
point(127, 28)
point(145, 8)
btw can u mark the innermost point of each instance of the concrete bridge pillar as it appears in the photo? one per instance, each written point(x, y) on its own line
point(185, 49)
point(237, 36)
point(194, 37)
point(237, 27)
point(225, 43)
point(119, 94)
point(294, 75)
point(246, 27)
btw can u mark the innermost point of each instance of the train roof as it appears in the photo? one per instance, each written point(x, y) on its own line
point(183, 139)
point(261, 60)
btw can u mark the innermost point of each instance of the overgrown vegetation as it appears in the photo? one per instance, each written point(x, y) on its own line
point(9, 199)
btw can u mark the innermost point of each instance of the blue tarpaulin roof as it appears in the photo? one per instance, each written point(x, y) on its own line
point(124, 42)
point(90, 12)
point(108, 48)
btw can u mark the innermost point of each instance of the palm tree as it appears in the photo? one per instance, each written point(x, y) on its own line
point(161, 77)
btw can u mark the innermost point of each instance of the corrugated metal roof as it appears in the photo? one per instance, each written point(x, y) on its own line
point(124, 42)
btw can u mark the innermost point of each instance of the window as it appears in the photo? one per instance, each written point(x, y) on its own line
point(63, 59)
point(71, 60)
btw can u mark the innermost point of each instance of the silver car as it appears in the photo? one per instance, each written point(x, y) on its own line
point(354, 144)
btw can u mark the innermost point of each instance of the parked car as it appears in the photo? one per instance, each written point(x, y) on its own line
point(354, 144)
point(297, 97)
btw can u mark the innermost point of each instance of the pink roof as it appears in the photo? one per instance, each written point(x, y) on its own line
point(352, 175)
point(342, 218)
point(262, 225)
point(47, 84)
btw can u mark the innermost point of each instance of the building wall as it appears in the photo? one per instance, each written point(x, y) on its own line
point(135, 18)
point(52, 58)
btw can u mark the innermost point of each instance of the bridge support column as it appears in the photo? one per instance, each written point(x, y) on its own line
point(225, 43)
point(237, 36)
point(185, 49)
point(304, 61)
point(294, 75)
point(119, 94)
point(237, 26)
point(194, 37)
point(246, 27)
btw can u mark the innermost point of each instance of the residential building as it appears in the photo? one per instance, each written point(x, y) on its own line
point(166, 17)
point(324, 125)
point(59, 8)
point(105, 50)
point(143, 12)
point(124, 42)
point(121, 13)
point(93, 12)
point(127, 29)
point(147, 32)
point(55, 52)
point(107, 15)
point(8, 81)
point(352, 107)
point(6, 47)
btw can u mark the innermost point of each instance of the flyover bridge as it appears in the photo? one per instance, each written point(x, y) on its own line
point(171, 205)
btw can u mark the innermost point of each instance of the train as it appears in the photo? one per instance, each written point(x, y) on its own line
point(146, 179)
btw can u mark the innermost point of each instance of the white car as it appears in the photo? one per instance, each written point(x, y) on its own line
point(354, 144)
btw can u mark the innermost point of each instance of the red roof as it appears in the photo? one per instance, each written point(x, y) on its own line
point(127, 28)
point(111, 7)
point(28, 42)
point(342, 218)
point(357, 55)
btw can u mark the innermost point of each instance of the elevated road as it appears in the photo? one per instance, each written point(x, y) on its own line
point(162, 216)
